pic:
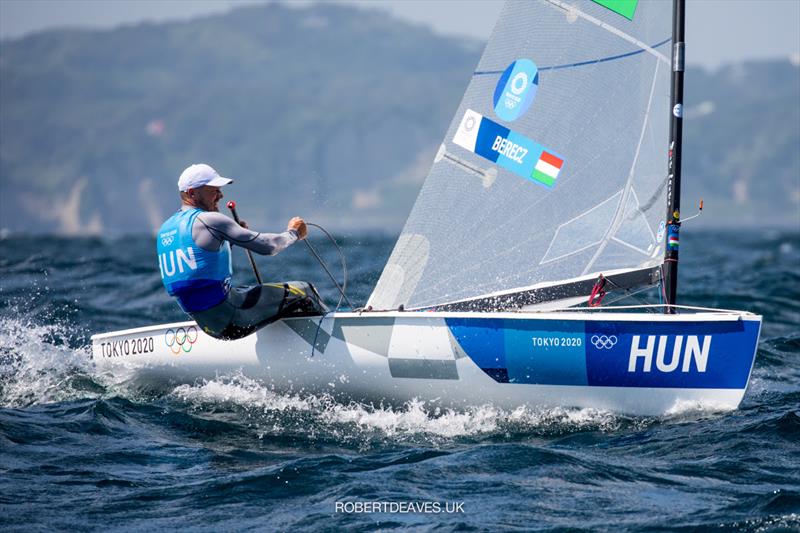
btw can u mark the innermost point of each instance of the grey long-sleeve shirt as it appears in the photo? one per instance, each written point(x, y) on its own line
point(211, 229)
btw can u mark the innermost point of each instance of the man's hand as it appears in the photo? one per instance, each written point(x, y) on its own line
point(243, 224)
point(299, 225)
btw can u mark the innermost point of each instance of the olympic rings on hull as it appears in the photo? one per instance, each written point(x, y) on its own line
point(181, 339)
point(604, 342)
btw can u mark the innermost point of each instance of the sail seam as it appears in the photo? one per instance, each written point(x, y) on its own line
point(579, 63)
point(562, 256)
point(629, 245)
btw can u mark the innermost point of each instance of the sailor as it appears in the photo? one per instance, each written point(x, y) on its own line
point(194, 257)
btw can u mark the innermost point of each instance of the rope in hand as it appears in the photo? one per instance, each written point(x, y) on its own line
point(342, 288)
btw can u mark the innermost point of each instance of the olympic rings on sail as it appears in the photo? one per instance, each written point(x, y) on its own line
point(181, 339)
point(604, 342)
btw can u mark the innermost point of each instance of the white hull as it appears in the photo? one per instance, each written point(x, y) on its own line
point(442, 357)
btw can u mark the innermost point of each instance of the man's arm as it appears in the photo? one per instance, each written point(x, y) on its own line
point(211, 229)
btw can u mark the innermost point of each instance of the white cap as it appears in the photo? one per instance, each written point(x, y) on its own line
point(198, 175)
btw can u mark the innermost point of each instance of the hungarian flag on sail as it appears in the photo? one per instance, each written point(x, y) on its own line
point(508, 149)
point(547, 168)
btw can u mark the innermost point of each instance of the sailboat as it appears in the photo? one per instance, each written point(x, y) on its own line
point(555, 192)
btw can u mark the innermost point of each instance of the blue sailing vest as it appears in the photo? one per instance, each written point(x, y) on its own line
point(198, 278)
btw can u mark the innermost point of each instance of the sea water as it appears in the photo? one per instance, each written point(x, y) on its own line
point(80, 452)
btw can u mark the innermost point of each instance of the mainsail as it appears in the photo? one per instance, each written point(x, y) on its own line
point(554, 168)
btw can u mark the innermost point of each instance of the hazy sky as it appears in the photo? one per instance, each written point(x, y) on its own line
point(718, 31)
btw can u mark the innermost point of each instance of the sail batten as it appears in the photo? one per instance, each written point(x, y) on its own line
point(552, 164)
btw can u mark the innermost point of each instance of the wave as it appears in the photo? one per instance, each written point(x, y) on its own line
point(38, 364)
point(415, 422)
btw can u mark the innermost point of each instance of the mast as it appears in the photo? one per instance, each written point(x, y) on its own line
point(675, 149)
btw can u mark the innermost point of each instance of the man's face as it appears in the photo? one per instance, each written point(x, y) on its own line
point(208, 197)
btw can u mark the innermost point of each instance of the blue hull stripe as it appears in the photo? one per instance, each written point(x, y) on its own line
point(707, 355)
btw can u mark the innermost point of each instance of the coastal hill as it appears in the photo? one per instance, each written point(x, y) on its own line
point(327, 111)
